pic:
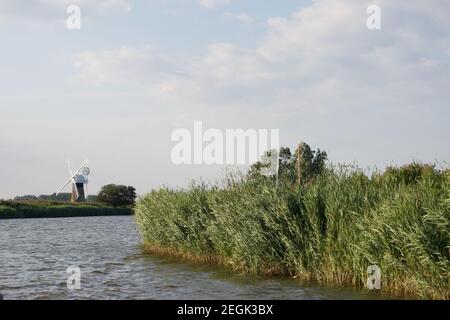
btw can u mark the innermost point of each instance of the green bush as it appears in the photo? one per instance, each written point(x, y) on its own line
point(117, 195)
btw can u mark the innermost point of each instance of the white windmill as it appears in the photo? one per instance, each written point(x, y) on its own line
point(79, 180)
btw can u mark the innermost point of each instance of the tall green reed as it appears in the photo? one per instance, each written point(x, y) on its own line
point(331, 229)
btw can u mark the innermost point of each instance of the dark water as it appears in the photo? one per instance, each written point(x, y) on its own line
point(35, 253)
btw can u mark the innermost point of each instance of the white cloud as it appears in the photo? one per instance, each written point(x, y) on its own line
point(240, 17)
point(122, 66)
point(320, 71)
point(213, 3)
point(42, 10)
point(320, 52)
point(98, 4)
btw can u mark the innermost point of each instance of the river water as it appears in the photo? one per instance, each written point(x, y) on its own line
point(35, 254)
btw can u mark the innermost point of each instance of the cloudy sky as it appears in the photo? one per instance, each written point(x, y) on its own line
point(115, 90)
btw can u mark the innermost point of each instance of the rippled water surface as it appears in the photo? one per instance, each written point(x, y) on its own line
point(35, 253)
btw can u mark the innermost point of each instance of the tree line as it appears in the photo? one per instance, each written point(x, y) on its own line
point(111, 194)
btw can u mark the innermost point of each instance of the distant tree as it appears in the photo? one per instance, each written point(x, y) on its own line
point(65, 197)
point(255, 170)
point(25, 198)
point(117, 195)
point(92, 198)
point(286, 170)
point(311, 163)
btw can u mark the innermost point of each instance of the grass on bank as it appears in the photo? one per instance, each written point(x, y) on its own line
point(56, 209)
point(330, 230)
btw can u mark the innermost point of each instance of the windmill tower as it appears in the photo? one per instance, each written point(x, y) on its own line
point(79, 180)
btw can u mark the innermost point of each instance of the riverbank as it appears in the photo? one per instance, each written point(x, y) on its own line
point(330, 230)
point(54, 209)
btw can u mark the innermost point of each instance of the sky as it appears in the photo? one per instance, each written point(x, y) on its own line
point(115, 90)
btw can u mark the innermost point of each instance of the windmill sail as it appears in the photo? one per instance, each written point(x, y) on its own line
point(79, 181)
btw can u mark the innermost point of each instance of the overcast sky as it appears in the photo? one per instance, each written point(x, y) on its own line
point(115, 90)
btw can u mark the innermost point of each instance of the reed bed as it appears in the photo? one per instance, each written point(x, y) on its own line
point(330, 229)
